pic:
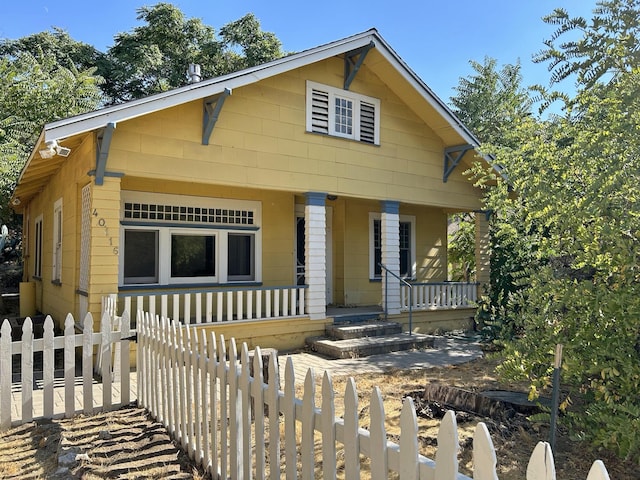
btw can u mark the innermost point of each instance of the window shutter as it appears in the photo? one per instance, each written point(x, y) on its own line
point(367, 122)
point(319, 111)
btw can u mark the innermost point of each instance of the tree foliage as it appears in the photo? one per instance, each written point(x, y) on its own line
point(154, 56)
point(492, 102)
point(577, 210)
point(35, 90)
point(48, 75)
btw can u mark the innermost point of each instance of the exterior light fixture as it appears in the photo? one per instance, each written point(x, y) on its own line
point(52, 149)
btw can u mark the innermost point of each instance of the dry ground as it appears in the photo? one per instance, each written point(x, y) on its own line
point(128, 444)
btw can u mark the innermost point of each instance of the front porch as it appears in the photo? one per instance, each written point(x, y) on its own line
point(278, 316)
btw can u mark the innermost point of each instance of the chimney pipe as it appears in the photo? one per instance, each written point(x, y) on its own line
point(194, 73)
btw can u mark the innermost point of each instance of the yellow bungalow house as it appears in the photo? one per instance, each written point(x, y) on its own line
point(256, 201)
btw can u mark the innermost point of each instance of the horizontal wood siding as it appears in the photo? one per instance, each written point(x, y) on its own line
point(260, 141)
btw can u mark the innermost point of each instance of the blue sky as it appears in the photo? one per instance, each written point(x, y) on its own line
point(436, 38)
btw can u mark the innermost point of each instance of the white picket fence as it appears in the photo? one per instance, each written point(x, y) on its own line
point(80, 391)
point(204, 396)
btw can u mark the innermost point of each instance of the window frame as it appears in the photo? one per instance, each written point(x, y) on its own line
point(37, 246)
point(58, 220)
point(357, 100)
point(406, 219)
point(166, 230)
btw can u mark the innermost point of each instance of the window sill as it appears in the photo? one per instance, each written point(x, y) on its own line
point(57, 283)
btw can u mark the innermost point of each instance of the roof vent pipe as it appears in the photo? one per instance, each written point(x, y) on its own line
point(194, 73)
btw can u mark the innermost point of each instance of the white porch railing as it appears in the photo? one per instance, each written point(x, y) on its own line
point(221, 305)
point(439, 295)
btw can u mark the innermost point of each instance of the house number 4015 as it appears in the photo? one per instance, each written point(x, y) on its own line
point(103, 223)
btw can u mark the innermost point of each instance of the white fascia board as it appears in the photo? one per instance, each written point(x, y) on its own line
point(204, 89)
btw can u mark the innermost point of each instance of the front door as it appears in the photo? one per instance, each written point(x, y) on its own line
point(300, 254)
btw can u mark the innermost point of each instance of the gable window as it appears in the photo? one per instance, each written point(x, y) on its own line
point(37, 253)
point(407, 246)
point(57, 241)
point(180, 240)
point(342, 113)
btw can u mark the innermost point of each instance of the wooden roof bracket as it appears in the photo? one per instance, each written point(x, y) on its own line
point(211, 111)
point(452, 157)
point(351, 65)
point(102, 151)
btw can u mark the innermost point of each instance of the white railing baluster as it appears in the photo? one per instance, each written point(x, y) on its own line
point(285, 301)
point(276, 302)
point(199, 307)
point(186, 317)
point(249, 304)
point(239, 305)
point(176, 308)
point(229, 306)
point(209, 308)
point(267, 313)
point(259, 304)
point(219, 304)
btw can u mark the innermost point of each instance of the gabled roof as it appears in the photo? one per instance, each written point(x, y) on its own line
point(450, 129)
point(210, 87)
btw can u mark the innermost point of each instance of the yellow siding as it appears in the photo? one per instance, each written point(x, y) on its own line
point(280, 334)
point(437, 321)
point(260, 141)
point(59, 300)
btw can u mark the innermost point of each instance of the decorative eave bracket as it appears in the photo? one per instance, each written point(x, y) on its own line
point(211, 112)
point(102, 151)
point(452, 157)
point(352, 65)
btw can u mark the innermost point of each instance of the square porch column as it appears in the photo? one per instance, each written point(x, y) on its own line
point(315, 235)
point(390, 246)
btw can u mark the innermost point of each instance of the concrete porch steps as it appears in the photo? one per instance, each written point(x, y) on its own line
point(348, 331)
point(358, 336)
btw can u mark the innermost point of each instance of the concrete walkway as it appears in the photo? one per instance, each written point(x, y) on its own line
point(449, 350)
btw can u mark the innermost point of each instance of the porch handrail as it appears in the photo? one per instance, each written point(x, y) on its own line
point(386, 288)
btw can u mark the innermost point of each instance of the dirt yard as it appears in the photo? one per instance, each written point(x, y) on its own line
point(128, 444)
point(121, 444)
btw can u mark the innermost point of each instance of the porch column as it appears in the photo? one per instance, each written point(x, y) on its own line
point(483, 252)
point(316, 251)
point(390, 245)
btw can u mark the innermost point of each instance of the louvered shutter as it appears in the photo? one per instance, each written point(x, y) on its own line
point(319, 111)
point(367, 122)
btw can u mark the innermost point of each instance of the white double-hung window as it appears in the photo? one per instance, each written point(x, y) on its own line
point(342, 113)
point(171, 239)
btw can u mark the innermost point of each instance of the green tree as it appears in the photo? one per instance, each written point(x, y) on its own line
point(35, 90)
point(577, 178)
point(489, 101)
point(154, 57)
point(492, 102)
point(56, 43)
